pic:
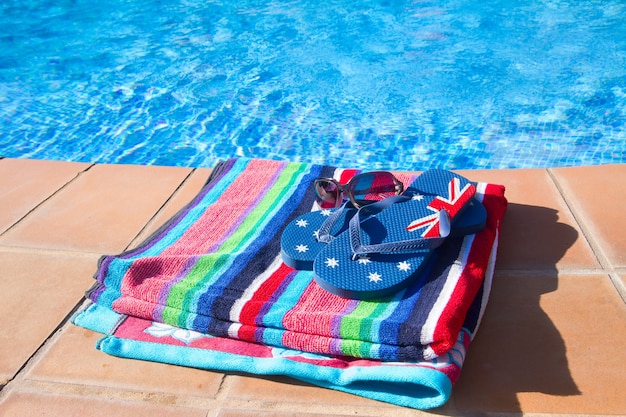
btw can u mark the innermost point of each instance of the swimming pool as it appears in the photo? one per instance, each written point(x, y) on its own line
point(370, 84)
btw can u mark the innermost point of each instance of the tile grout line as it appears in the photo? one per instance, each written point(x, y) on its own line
point(212, 405)
point(588, 235)
point(48, 251)
point(552, 271)
point(115, 393)
point(220, 399)
point(224, 388)
point(18, 375)
point(46, 199)
point(136, 239)
point(42, 348)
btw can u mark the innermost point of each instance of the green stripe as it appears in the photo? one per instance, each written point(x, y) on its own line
point(176, 298)
point(356, 326)
point(366, 331)
point(350, 327)
point(248, 230)
point(208, 266)
point(354, 348)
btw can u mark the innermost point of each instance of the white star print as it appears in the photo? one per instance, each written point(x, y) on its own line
point(302, 248)
point(316, 234)
point(374, 277)
point(417, 197)
point(302, 223)
point(364, 261)
point(404, 266)
point(325, 212)
point(331, 262)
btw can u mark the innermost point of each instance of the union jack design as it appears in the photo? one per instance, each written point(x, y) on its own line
point(457, 198)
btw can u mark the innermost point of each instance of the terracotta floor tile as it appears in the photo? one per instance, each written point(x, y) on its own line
point(26, 183)
point(20, 404)
point(622, 276)
point(183, 196)
point(73, 359)
point(248, 413)
point(37, 291)
point(538, 230)
point(101, 211)
point(602, 212)
point(306, 398)
point(281, 388)
point(548, 344)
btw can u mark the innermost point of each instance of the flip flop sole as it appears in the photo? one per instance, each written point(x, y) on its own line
point(299, 241)
point(471, 220)
point(376, 275)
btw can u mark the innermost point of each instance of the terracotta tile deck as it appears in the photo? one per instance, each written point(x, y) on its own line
point(552, 342)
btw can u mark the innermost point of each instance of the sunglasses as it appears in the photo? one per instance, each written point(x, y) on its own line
point(361, 190)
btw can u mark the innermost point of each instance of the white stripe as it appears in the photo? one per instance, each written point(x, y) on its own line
point(233, 330)
point(429, 354)
point(338, 173)
point(428, 330)
point(452, 280)
point(487, 284)
point(481, 189)
point(235, 311)
point(258, 230)
point(443, 299)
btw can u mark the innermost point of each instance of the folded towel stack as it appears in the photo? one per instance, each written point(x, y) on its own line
point(215, 270)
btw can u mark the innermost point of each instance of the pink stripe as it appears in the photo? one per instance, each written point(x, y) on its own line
point(245, 190)
point(405, 178)
point(145, 279)
point(314, 298)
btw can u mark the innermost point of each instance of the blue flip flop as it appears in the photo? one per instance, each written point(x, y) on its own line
point(309, 233)
point(387, 243)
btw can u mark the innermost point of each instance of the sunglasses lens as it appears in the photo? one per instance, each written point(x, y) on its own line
point(327, 193)
point(373, 186)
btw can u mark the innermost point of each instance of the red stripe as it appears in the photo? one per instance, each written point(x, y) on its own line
point(431, 231)
point(346, 174)
point(246, 190)
point(453, 315)
point(308, 342)
point(250, 312)
point(246, 333)
point(421, 224)
point(146, 277)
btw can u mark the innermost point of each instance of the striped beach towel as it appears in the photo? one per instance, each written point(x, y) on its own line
point(215, 268)
point(420, 385)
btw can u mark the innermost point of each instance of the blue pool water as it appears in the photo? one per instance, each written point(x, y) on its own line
point(364, 83)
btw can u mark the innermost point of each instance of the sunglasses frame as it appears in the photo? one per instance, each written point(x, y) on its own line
point(345, 189)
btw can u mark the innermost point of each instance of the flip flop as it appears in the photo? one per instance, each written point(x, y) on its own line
point(309, 233)
point(387, 245)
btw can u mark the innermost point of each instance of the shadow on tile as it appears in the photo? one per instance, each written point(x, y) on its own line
point(518, 348)
point(540, 238)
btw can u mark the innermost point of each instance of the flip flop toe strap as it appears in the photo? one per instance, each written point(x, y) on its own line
point(323, 234)
point(411, 245)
